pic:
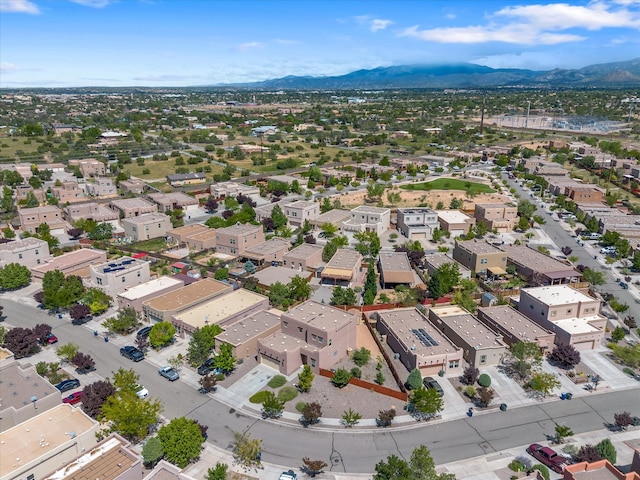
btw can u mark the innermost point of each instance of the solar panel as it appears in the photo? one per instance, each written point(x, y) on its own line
point(424, 337)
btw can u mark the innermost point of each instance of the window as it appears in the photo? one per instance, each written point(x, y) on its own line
point(31, 477)
point(454, 363)
point(19, 255)
point(37, 252)
point(122, 279)
point(99, 281)
point(320, 339)
point(553, 313)
point(300, 329)
point(232, 241)
point(285, 324)
point(38, 261)
point(330, 341)
point(483, 261)
point(138, 273)
point(569, 310)
point(313, 362)
point(483, 359)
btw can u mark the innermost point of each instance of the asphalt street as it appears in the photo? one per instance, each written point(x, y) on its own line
point(344, 450)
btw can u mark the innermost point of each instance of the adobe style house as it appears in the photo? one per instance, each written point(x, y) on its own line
point(243, 336)
point(89, 167)
point(68, 192)
point(196, 237)
point(531, 263)
point(232, 189)
point(496, 216)
point(586, 194)
point(480, 257)
point(134, 297)
point(311, 334)
point(103, 187)
point(273, 250)
point(134, 186)
point(132, 207)
point(171, 201)
point(234, 240)
point(343, 267)
point(29, 252)
point(368, 218)
point(306, 257)
point(22, 191)
point(417, 223)
point(31, 218)
point(515, 327)
point(89, 211)
point(455, 222)
point(298, 212)
point(115, 276)
point(395, 269)
point(147, 226)
point(76, 262)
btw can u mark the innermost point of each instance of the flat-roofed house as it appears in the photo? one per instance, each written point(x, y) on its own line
point(515, 327)
point(531, 263)
point(115, 276)
point(163, 308)
point(335, 217)
point(343, 266)
point(301, 210)
point(89, 167)
point(418, 342)
point(305, 257)
point(68, 192)
point(22, 191)
point(38, 446)
point(31, 218)
point(179, 235)
point(599, 470)
point(133, 185)
point(28, 252)
point(586, 194)
point(417, 223)
point(20, 384)
point(368, 218)
point(76, 262)
point(496, 216)
point(243, 336)
point(134, 297)
point(147, 226)
point(270, 275)
point(273, 250)
point(264, 211)
point(455, 222)
point(132, 207)
point(482, 347)
point(573, 316)
point(223, 310)
point(89, 211)
point(232, 189)
point(167, 202)
point(436, 260)
point(480, 257)
point(102, 187)
point(234, 240)
point(395, 269)
point(311, 334)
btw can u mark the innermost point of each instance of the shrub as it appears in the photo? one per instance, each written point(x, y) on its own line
point(341, 378)
point(484, 380)
point(414, 380)
point(277, 381)
point(470, 391)
point(470, 375)
point(259, 397)
point(361, 357)
point(300, 406)
point(288, 393)
point(516, 466)
point(356, 372)
point(544, 471)
point(629, 371)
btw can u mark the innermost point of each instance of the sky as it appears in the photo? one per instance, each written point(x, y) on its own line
point(60, 43)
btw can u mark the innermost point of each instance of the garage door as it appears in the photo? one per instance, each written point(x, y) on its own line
point(582, 346)
point(430, 370)
point(418, 236)
point(269, 362)
point(456, 233)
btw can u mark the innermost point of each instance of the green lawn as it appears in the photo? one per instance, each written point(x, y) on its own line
point(450, 184)
point(153, 245)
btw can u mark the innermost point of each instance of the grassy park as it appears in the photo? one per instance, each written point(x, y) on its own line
point(450, 184)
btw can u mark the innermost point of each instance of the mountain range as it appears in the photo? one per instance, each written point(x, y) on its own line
point(466, 75)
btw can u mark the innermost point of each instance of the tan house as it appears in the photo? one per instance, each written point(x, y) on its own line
point(76, 262)
point(480, 257)
point(586, 194)
point(147, 226)
point(515, 327)
point(335, 217)
point(134, 186)
point(599, 470)
point(172, 201)
point(367, 218)
point(531, 263)
point(68, 192)
point(418, 342)
point(273, 250)
point(31, 218)
point(134, 297)
point(89, 167)
point(115, 276)
point(306, 257)
point(102, 187)
point(28, 252)
point(496, 216)
point(163, 308)
point(243, 336)
point(481, 346)
point(234, 240)
point(344, 266)
point(179, 235)
point(573, 316)
point(196, 237)
point(22, 191)
point(311, 334)
point(132, 207)
point(89, 211)
point(298, 212)
point(232, 189)
point(395, 269)
point(455, 222)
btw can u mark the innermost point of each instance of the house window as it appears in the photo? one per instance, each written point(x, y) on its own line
point(553, 313)
point(313, 362)
point(99, 281)
point(330, 341)
point(31, 477)
point(122, 279)
point(321, 339)
point(300, 329)
point(569, 310)
point(138, 273)
point(37, 252)
point(483, 359)
point(314, 336)
point(38, 261)
point(483, 261)
point(19, 255)
point(454, 363)
point(285, 324)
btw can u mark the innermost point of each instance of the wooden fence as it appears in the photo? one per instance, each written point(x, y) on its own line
point(370, 386)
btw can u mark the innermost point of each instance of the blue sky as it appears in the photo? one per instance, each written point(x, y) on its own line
point(53, 43)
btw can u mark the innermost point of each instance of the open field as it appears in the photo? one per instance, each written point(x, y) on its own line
point(10, 145)
point(450, 184)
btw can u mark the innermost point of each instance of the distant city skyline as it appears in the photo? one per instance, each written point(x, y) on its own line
point(119, 43)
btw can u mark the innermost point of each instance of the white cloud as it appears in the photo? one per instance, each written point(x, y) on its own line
point(450, 16)
point(19, 6)
point(93, 3)
point(379, 24)
point(6, 67)
point(243, 47)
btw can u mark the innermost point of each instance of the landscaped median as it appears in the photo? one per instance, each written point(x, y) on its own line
point(450, 184)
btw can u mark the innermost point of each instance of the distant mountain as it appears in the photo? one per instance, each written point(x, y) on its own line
point(466, 75)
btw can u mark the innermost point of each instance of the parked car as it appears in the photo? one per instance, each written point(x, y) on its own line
point(141, 392)
point(288, 475)
point(132, 353)
point(50, 338)
point(70, 384)
point(206, 367)
point(430, 382)
point(80, 321)
point(547, 456)
point(144, 332)
point(608, 250)
point(169, 373)
point(75, 397)
point(624, 285)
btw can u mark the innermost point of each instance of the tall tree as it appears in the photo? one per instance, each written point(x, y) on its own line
point(95, 395)
point(524, 357)
point(427, 402)
point(202, 343)
point(305, 379)
point(181, 441)
point(14, 276)
point(444, 278)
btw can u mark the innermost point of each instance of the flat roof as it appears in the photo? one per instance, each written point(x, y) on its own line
point(370, 209)
point(453, 216)
point(25, 441)
point(147, 288)
point(70, 259)
point(579, 325)
point(136, 202)
point(344, 259)
point(538, 261)
point(301, 204)
point(20, 384)
point(250, 327)
point(282, 342)
point(187, 295)
point(332, 216)
point(557, 295)
point(272, 245)
point(24, 244)
point(188, 230)
point(172, 197)
point(303, 251)
point(320, 316)
point(239, 229)
point(146, 218)
point(218, 309)
point(271, 275)
point(479, 246)
point(418, 210)
point(39, 210)
point(203, 235)
point(395, 267)
point(408, 323)
point(470, 329)
point(438, 259)
point(514, 322)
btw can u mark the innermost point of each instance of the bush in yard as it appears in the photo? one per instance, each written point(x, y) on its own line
point(470, 375)
point(607, 450)
point(414, 380)
point(350, 418)
point(485, 395)
point(623, 420)
point(287, 394)
point(618, 334)
point(272, 406)
point(259, 397)
point(300, 406)
point(356, 372)
point(311, 413)
point(544, 471)
point(305, 379)
point(361, 357)
point(152, 452)
point(380, 378)
point(385, 417)
point(277, 381)
point(83, 362)
point(484, 380)
point(341, 378)
point(566, 355)
point(589, 454)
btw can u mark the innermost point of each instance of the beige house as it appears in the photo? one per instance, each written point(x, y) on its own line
point(334, 217)
point(179, 235)
point(234, 240)
point(68, 192)
point(515, 327)
point(573, 316)
point(480, 257)
point(196, 237)
point(115, 276)
point(223, 310)
point(134, 297)
point(436, 260)
point(367, 218)
point(89, 167)
point(305, 257)
point(344, 266)
point(31, 218)
point(243, 336)
point(298, 212)
point(496, 216)
point(134, 186)
point(481, 346)
point(102, 187)
point(163, 308)
point(418, 342)
point(417, 223)
point(531, 263)
point(171, 201)
point(395, 269)
point(232, 189)
point(132, 207)
point(28, 252)
point(311, 334)
point(455, 222)
point(22, 191)
point(273, 250)
point(147, 226)
point(76, 262)
point(89, 211)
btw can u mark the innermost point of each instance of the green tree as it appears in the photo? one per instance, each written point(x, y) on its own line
point(225, 360)
point(618, 334)
point(526, 209)
point(14, 276)
point(343, 296)
point(361, 356)
point(305, 379)
point(332, 246)
point(420, 467)
point(341, 378)
point(607, 451)
point(543, 383)
point(30, 201)
point(414, 380)
point(96, 300)
point(125, 321)
point(368, 244)
point(221, 274)
point(278, 217)
point(464, 298)
point(43, 232)
point(328, 229)
point(7, 205)
point(594, 277)
point(523, 224)
point(427, 403)
point(350, 418)
point(202, 343)
point(524, 357)
point(456, 203)
point(272, 406)
point(102, 231)
point(152, 452)
point(217, 473)
point(562, 432)
point(246, 450)
point(59, 291)
point(299, 289)
point(539, 220)
point(181, 441)
point(444, 278)
point(68, 351)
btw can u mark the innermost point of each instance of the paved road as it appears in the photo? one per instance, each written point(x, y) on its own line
point(346, 450)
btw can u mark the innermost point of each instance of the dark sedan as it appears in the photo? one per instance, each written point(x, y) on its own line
point(65, 385)
point(132, 353)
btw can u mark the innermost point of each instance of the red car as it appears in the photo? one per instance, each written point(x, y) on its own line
point(75, 397)
point(547, 456)
point(50, 338)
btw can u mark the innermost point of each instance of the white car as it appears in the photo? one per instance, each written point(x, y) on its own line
point(142, 392)
point(608, 250)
